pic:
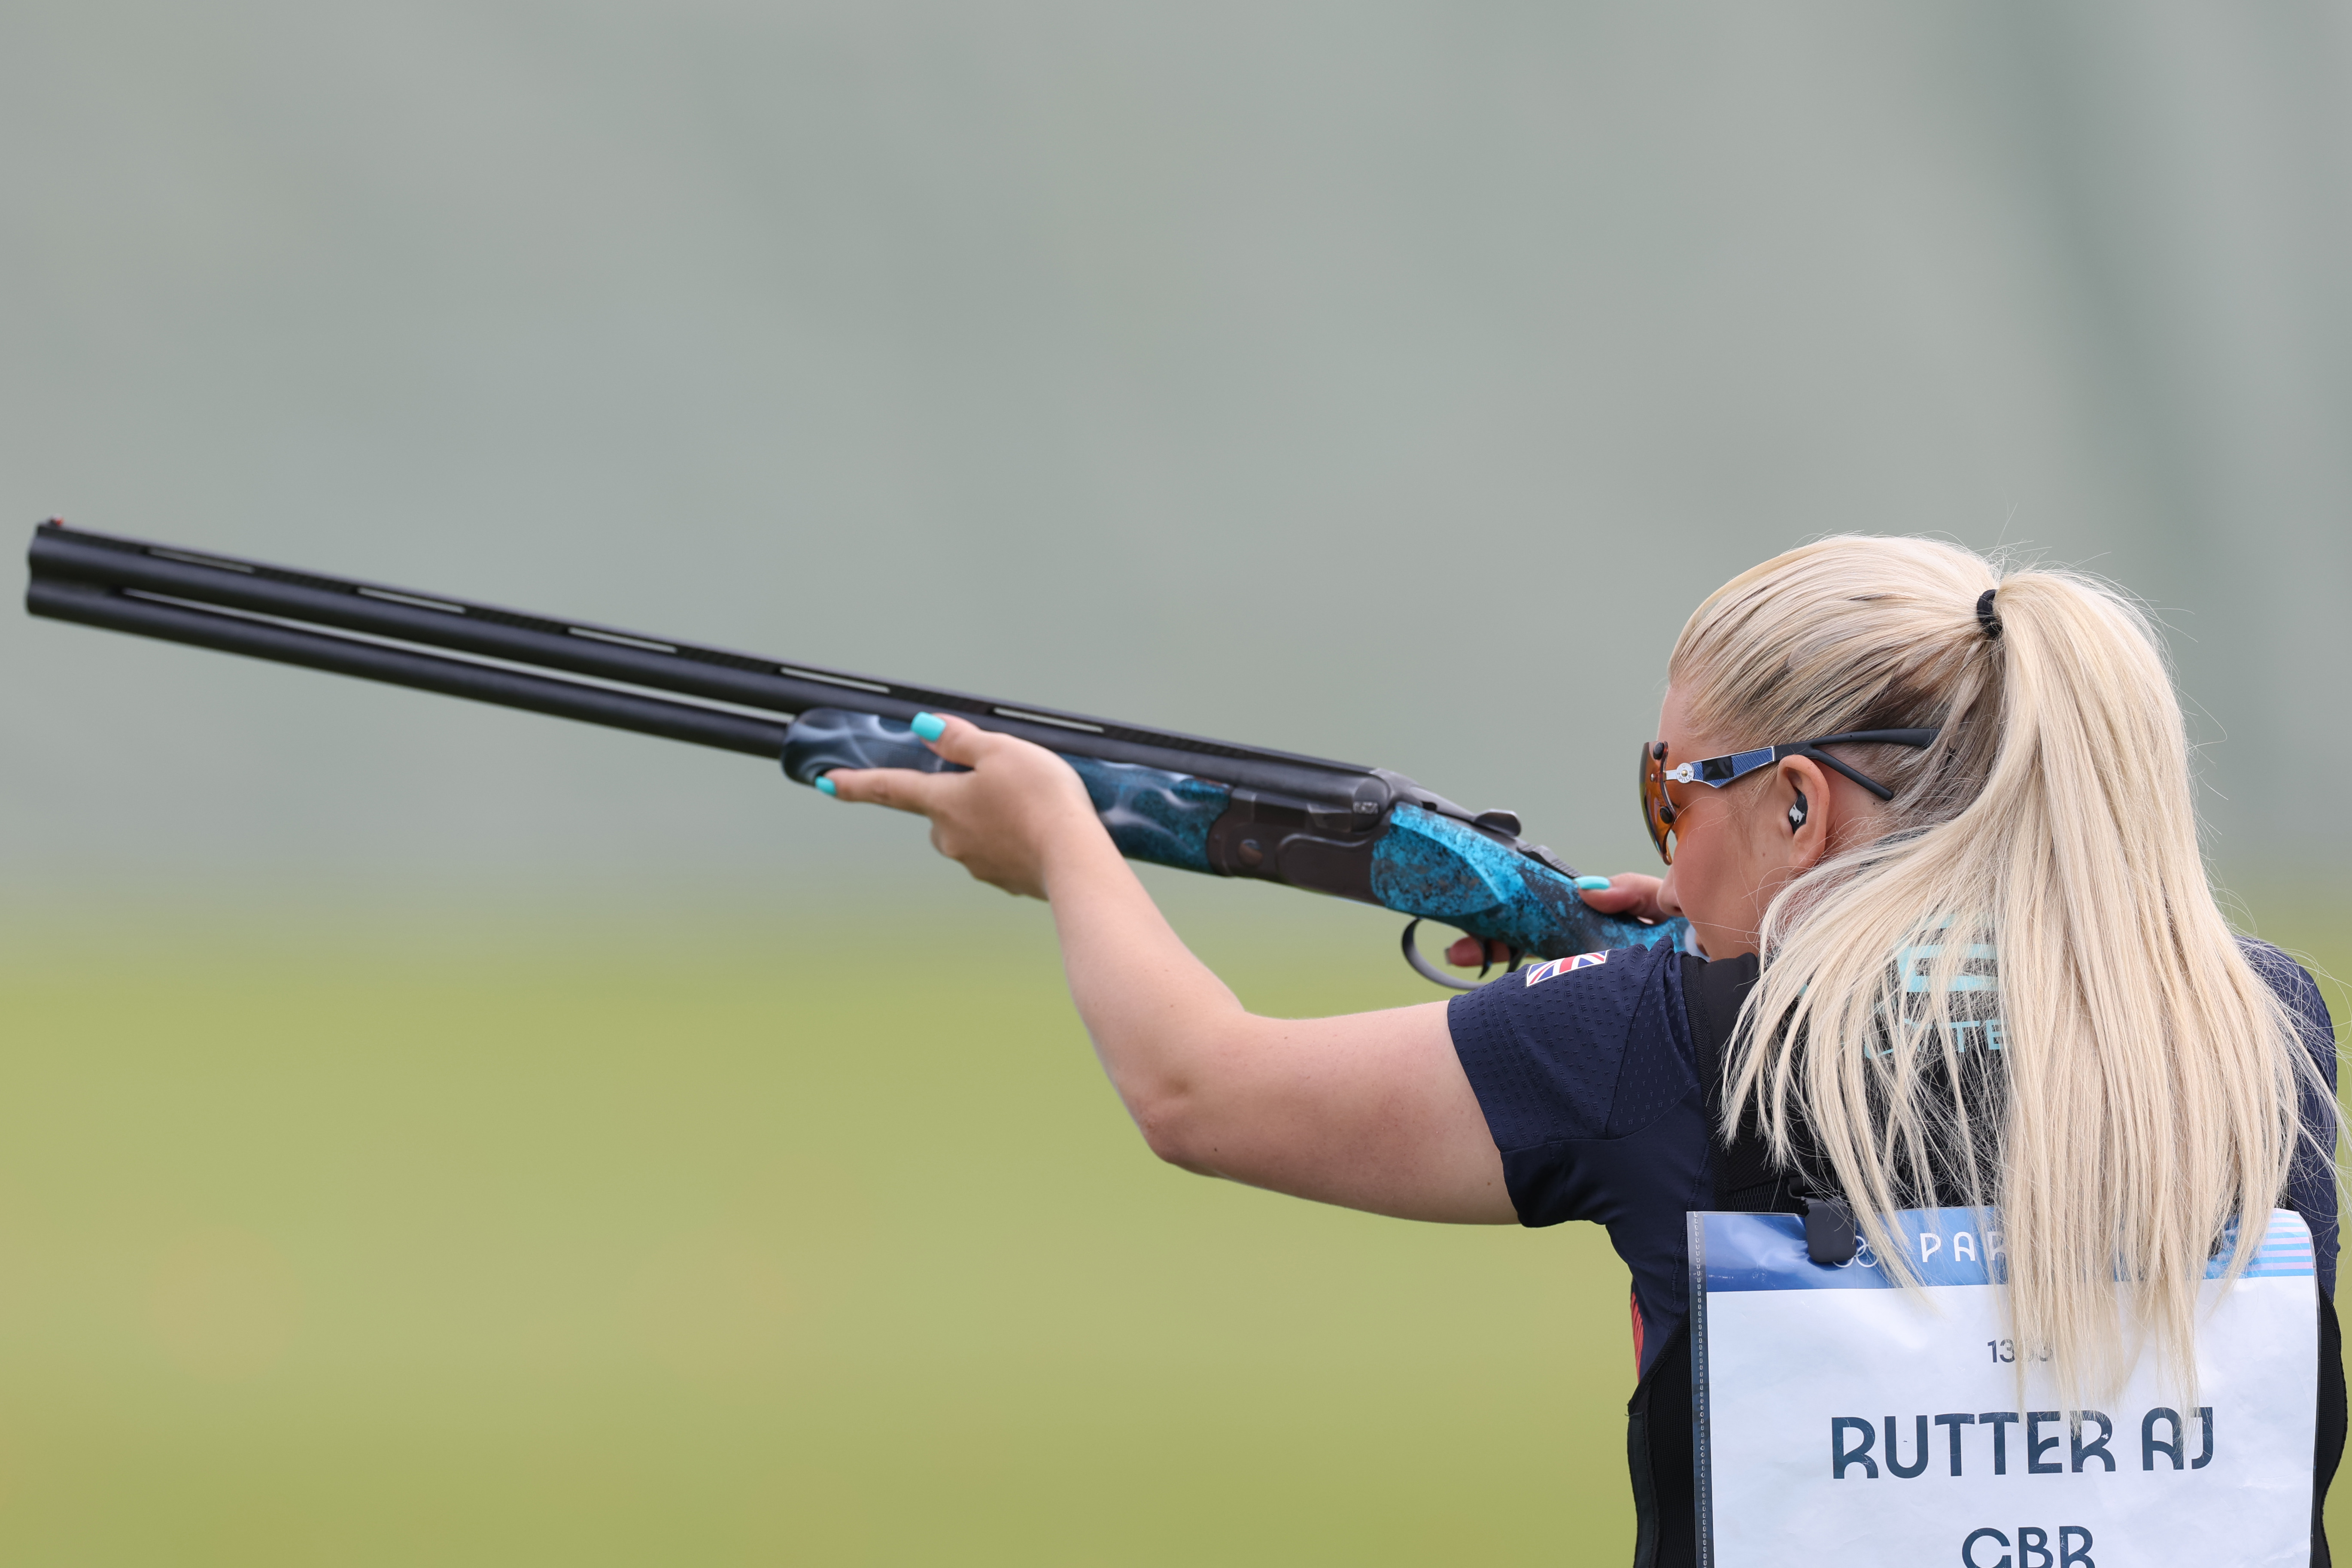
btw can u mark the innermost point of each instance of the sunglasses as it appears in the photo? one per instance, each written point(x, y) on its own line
point(1658, 806)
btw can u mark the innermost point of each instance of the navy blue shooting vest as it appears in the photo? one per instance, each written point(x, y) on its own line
point(1659, 1419)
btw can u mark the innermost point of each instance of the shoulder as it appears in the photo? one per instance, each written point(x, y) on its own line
point(2279, 969)
point(2293, 985)
point(1546, 1048)
point(1590, 993)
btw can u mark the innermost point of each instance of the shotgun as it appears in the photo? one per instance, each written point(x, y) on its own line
point(1178, 800)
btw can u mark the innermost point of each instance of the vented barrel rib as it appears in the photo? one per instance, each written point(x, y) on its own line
point(129, 567)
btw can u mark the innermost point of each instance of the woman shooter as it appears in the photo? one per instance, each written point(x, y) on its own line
point(1968, 956)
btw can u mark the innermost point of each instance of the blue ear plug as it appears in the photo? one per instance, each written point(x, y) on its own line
point(1592, 884)
point(930, 726)
point(824, 786)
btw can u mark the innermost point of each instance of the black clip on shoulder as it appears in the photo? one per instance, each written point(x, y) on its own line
point(1829, 1231)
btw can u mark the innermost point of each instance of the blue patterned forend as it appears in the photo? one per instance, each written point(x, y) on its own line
point(1152, 814)
point(824, 739)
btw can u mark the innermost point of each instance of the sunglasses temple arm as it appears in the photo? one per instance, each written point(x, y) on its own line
point(1873, 786)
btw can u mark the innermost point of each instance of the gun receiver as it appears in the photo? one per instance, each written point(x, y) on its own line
point(1354, 832)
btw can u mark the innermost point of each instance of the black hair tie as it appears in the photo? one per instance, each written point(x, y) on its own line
point(1985, 617)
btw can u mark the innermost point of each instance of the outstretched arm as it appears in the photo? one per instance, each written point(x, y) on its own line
point(1370, 1110)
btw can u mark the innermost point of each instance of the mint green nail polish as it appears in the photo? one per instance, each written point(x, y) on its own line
point(825, 786)
point(930, 726)
point(1592, 884)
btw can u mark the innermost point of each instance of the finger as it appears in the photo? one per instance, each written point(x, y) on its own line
point(957, 740)
point(1468, 952)
point(900, 789)
point(1629, 894)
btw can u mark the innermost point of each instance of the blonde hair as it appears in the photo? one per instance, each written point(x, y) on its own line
point(2024, 989)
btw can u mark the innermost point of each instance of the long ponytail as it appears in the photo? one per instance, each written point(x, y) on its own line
point(2024, 991)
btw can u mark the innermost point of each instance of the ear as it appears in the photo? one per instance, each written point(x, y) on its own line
point(1803, 812)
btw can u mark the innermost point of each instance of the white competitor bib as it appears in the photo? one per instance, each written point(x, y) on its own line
point(1843, 1420)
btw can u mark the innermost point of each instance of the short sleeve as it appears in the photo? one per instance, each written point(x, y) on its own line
point(1570, 1055)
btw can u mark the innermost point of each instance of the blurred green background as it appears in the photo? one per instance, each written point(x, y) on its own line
point(430, 1133)
point(492, 1235)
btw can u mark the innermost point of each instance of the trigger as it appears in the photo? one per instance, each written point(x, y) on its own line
point(1426, 969)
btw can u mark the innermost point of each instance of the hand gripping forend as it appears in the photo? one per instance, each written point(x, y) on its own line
point(1152, 814)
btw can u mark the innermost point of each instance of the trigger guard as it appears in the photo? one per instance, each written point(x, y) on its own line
point(1428, 971)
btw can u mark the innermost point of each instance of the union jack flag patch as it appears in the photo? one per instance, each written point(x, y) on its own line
point(1563, 965)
